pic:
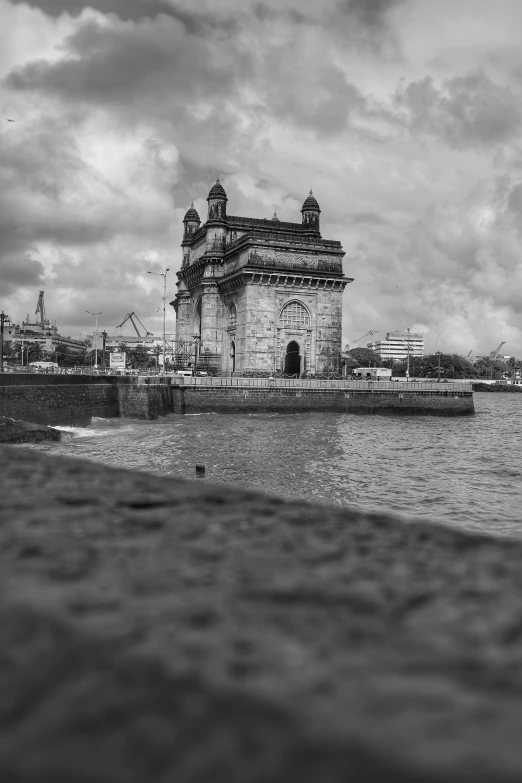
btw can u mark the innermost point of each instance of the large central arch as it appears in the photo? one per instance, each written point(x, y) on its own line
point(294, 352)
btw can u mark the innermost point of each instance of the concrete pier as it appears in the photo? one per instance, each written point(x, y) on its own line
point(233, 395)
point(69, 399)
point(158, 630)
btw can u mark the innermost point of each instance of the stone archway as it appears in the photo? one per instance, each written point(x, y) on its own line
point(292, 359)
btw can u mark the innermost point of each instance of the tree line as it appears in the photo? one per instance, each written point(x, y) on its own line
point(141, 358)
point(451, 365)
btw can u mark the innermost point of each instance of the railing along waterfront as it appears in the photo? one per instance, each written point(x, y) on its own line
point(315, 383)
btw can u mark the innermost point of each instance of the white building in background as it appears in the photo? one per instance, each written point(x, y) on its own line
point(398, 345)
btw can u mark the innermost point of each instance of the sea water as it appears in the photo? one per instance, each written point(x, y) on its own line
point(464, 471)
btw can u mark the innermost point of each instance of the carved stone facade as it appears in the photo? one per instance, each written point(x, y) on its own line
point(260, 295)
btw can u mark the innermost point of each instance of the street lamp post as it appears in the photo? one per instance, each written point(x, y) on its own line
point(164, 276)
point(96, 349)
point(3, 318)
point(104, 338)
point(408, 358)
point(196, 352)
point(438, 357)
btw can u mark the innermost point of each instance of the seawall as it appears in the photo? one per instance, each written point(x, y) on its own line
point(158, 630)
point(192, 399)
point(67, 399)
point(75, 399)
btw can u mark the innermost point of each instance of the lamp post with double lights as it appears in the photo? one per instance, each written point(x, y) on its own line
point(164, 276)
point(96, 349)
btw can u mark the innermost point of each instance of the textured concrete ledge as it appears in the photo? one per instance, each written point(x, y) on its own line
point(15, 431)
point(161, 630)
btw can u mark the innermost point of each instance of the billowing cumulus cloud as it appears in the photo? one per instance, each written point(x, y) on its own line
point(465, 110)
point(405, 124)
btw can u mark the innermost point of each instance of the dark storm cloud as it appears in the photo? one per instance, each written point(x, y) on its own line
point(156, 68)
point(194, 22)
point(371, 13)
point(372, 218)
point(363, 13)
point(126, 10)
point(466, 111)
point(121, 63)
point(17, 268)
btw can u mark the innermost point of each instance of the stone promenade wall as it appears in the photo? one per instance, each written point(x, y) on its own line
point(237, 399)
point(75, 399)
point(156, 630)
point(69, 399)
point(63, 403)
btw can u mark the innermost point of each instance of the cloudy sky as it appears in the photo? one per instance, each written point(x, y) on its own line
point(403, 115)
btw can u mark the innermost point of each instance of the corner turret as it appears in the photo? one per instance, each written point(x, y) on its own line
point(217, 202)
point(191, 221)
point(310, 212)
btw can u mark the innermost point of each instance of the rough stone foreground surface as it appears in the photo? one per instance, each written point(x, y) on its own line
point(162, 630)
point(14, 431)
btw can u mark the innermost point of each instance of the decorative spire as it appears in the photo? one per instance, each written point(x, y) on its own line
point(275, 217)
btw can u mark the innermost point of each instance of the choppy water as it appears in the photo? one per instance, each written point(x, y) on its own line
point(464, 471)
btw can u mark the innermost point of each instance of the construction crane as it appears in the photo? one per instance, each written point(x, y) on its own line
point(356, 343)
point(494, 354)
point(130, 317)
point(40, 308)
point(471, 356)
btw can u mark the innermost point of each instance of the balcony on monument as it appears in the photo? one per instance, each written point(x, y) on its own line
point(216, 245)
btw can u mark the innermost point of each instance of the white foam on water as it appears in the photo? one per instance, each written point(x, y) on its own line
point(93, 431)
point(75, 432)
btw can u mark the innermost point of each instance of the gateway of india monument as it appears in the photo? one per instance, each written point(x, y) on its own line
point(260, 296)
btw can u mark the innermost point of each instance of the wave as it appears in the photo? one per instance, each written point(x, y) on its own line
point(93, 431)
point(75, 432)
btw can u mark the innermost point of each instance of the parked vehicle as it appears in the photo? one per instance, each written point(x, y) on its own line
point(371, 374)
point(44, 365)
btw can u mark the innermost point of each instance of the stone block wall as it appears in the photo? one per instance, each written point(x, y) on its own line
point(66, 404)
point(74, 400)
point(144, 400)
point(251, 399)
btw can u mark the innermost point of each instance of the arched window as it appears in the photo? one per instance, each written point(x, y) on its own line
point(232, 315)
point(294, 315)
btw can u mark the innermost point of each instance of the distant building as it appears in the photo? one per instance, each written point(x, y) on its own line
point(398, 345)
point(498, 357)
point(42, 331)
point(260, 295)
point(152, 343)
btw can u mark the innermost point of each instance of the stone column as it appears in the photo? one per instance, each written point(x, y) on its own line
point(182, 306)
point(211, 324)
